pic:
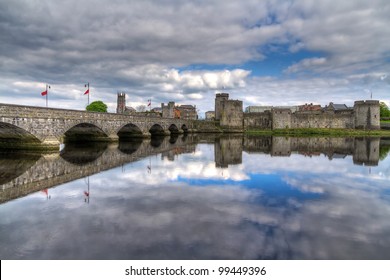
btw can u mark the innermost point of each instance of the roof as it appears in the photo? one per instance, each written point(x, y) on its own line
point(338, 106)
point(186, 107)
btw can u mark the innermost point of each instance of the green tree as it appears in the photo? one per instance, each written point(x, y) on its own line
point(384, 110)
point(97, 106)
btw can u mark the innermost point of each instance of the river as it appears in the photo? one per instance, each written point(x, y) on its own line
point(199, 197)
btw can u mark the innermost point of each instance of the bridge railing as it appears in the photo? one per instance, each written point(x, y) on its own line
point(22, 111)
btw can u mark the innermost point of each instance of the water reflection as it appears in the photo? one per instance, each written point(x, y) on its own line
point(13, 164)
point(31, 172)
point(83, 153)
point(226, 198)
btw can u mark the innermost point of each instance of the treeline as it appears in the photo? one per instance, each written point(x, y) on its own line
point(384, 111)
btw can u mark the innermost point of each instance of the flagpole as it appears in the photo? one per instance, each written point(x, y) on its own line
point(87, 91)
point(47, 93)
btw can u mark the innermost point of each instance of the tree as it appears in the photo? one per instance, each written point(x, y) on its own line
point(384, 110)
point(141, 108)
point(97, 106)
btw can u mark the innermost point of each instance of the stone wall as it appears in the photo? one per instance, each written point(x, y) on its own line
point(367, 114)
point(257, 120)
point(281, 118)
point(219, 99)
point(49, 125)
point(168, 110)
point(206, 126)
point(232, 115)
point(323, 119)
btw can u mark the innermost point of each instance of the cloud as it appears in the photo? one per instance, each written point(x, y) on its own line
point(144, 48)
point(307, 64)
point(352, 35)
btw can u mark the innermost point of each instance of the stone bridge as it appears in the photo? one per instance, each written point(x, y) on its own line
point(50, 127)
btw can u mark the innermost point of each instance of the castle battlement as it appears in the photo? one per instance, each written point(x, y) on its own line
point(367, 102)
point(364, 115)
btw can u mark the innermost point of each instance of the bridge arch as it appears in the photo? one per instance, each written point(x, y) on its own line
point(14, 134)
point(173, 129)
point(184, 128)
point(85, 131)
point(129, 131)
point(157, 129)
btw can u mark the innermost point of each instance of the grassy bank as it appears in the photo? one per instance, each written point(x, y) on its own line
point(319, 132)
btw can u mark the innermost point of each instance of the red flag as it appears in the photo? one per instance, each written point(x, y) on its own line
point(86, 193)
point(86, 92)
point(149, 102)
point(44, 92)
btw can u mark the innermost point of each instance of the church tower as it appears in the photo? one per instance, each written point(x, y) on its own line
point(121, 103)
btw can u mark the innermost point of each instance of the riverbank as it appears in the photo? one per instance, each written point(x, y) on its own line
point(320, 132)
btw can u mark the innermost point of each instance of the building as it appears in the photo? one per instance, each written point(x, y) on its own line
point(121, 107)
point(210, 115)
point(168, 110)
point(229, 113)
point(336, 107)
point(309, 107)
point(121, 103)
point(219, 99)
point(187, 112)
point(257, 109)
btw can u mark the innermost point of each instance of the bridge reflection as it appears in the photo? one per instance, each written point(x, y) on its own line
point(22, 174)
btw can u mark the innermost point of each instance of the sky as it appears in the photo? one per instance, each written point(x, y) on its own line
point(261, 52)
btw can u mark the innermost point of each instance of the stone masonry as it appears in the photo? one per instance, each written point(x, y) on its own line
point(48, 125)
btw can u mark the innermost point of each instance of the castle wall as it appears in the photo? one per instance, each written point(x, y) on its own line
point(367, 114)
point(281, 118)
point(364, 115)
point(257, 120)
point(168, 110)
point(219, 99)
point(232, 114)
point(320, 119)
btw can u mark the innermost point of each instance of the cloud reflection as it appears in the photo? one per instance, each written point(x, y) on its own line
point(134, 214)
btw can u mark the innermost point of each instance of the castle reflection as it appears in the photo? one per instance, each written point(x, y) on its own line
point(22, 173)
point(365, 150)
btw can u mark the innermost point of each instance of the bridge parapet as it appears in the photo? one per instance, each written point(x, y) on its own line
point(49, 125)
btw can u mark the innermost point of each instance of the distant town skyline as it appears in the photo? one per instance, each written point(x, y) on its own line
point(261, 52)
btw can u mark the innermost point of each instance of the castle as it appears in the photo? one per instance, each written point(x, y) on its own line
point(363, 115)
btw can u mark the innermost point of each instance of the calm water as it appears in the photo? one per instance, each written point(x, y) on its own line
point(199, 197)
